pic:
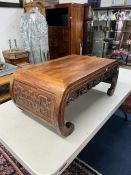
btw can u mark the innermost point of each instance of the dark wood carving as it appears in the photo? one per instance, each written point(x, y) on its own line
point(113, 73)
point(34, 99)
point(45, 89)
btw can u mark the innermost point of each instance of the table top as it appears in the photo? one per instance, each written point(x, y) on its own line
point(5, 79)
point(43, 152)
point(65, 70)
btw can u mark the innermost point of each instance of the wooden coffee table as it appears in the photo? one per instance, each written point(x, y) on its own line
point(44, 90)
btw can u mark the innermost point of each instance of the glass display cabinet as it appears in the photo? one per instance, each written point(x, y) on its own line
point(111, 32)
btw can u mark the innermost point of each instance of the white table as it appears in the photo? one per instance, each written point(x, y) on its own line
point(42, 151)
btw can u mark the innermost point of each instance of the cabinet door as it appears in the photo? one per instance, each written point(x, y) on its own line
point(77, 15)
point(59, 31)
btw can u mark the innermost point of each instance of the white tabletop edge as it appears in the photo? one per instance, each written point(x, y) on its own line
point(82, 145)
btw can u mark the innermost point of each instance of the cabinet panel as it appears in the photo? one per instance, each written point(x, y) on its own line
point(58, 41)
point(77, 15)
point(65, 23)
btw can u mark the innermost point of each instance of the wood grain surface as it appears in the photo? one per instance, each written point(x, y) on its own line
point(44, 90)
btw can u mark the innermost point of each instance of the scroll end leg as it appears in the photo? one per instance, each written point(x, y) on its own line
point(110, 91)
point(70, 126)
point(66, 129)
point(113, 83)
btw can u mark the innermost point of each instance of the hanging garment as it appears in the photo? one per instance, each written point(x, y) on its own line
point(34, 32)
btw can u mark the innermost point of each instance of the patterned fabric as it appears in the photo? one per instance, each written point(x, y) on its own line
point(78, 167)
point(10, 166)
point(34, 31)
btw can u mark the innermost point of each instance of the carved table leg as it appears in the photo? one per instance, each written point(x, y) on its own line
point(113, 82)
point(63, 128)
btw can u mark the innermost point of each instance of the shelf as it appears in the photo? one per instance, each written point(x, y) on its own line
point(120, 31)
point(111, 20)
point(112, 32)
point(4, 97)
point(113, 7)
point(114, 44)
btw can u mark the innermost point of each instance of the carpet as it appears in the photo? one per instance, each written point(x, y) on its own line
point(110, 149)
point(10, 166)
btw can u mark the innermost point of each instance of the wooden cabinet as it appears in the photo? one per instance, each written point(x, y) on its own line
point(65, 23)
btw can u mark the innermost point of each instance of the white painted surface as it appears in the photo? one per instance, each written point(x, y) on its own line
point(9, 27)
point(43, 152)
point(73, 1)
point(105, 3)
point(12, 1)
